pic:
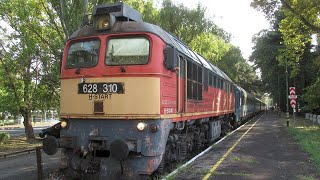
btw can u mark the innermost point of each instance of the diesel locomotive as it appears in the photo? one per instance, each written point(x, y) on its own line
point(135, 98)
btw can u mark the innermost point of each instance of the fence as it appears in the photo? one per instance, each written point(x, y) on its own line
point(28, 164)
point(313, 117)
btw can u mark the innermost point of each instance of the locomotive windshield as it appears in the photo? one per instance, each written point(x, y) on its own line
point(127, 51)
point(83, 54)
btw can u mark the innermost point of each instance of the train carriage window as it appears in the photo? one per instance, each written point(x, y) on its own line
point(182, 67)
point(199, 74)
point(126, 51)
point(210, 79)
point(189, 70)
point(205, 79)
point(194, 72)
point(194, 82)
point(83, 54)
point(221, 83)
point(199, 84)
point(214, 81)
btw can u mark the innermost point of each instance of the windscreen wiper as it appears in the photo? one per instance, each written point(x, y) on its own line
point(122, 69)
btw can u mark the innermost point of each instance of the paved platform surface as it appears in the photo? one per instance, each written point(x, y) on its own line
point(261, 149)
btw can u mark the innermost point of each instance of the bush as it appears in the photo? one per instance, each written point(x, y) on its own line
point(4, 137)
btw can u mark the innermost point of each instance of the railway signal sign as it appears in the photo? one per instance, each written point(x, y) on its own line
point(292, 90)
point(293, 103)
point(292, 97)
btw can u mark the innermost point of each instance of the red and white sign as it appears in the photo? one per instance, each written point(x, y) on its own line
point(293, 103)
point(293, 97)
point(292, 90)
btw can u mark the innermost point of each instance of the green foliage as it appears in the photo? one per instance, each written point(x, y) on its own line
point(312, 97)
point(4, 137)
point(31, 52)
point(294, 21)
point(187, 23)
point(264, 56)
point(210, 46)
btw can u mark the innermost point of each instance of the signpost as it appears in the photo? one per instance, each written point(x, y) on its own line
point(293, 102)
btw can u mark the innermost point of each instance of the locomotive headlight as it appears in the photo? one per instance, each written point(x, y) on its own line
point(64, 124)
point(141, 126)
point(104, 21)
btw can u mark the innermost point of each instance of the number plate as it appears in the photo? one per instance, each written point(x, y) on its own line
point(101, 88)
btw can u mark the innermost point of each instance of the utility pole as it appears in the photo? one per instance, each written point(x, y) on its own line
point(287, 94)
point(278, 91)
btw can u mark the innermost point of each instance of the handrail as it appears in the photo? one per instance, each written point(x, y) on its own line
point(16, 153)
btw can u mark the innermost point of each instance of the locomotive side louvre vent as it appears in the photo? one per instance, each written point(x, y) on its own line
point(98, 107)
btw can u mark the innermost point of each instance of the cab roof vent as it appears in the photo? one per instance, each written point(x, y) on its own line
point(121, 11)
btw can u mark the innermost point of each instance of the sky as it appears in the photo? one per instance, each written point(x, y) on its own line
point(235, 17)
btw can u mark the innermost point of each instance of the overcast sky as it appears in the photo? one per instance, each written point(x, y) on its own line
point(235, 17)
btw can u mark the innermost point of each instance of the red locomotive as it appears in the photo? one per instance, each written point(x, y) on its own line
point(134, 98)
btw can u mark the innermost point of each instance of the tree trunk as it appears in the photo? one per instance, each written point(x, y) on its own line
point(28, 125)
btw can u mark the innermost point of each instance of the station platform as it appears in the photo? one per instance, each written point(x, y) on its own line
point(261, 149)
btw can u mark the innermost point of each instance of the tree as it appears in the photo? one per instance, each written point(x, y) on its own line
point(187, 23)
point(299, 23)
point(209, 46)
point(30, 56)
point(268, 46)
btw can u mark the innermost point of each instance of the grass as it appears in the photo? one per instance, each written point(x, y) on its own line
point(7, 122)
point(17, 143)
point(307, 135)
point(180, 170)
point(235, 158)
point(309, 138)
point(300, 177)
point(4, 137)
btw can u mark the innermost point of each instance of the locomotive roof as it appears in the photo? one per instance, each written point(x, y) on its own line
point(168, 38)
